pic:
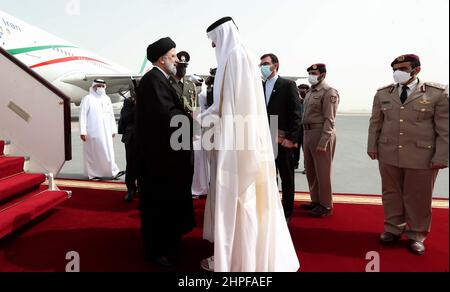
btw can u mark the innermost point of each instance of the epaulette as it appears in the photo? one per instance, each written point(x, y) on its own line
point(330, 89)
point(390, 86)
point(435, 85)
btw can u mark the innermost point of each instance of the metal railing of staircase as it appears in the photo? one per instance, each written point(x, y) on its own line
point(65, 99)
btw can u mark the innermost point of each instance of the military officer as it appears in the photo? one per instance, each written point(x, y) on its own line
point(185, 89)
point(320, 108)
point(408, 135)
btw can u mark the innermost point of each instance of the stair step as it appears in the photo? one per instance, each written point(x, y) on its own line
point(27, 208)
point(11, 166)
point(19, 184)
point(2, 147)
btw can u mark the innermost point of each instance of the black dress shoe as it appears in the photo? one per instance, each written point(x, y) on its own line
point(130, 195)
point(416, 247)
point(309, 207)
point(320, 212)
point(389, 238)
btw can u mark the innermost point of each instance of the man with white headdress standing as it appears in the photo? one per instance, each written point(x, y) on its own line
point(250, 234)
point(97, 129)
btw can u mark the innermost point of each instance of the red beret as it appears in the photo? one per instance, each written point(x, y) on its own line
point(406, 58)
point(321, 67)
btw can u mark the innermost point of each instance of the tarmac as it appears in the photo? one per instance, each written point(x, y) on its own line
point(353, 171)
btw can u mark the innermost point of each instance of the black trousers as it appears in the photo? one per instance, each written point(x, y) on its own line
point(158, 241)
point(297, 151)
point(285, 166)
point(131, 170)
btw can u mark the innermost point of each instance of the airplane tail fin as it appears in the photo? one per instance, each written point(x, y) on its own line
point(146, 66)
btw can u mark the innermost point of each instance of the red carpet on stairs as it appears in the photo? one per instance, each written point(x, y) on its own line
point(2, 147)
point(10, 166)
point(105, 232)
point(19, 184)
point(22, 198)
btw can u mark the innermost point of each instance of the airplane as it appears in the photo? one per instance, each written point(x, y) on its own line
point(68, 67)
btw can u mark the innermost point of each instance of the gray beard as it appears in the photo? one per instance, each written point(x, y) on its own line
point(172, 69)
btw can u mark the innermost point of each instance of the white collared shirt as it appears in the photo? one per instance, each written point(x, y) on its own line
point(270, 84)
point(411, 87)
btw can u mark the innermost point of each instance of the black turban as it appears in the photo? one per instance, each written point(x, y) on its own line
point(159, 49)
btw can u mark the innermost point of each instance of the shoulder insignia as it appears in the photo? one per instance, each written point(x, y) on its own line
point(435, 85)
point(329, 88)
point(333, 99)
point(390, 86)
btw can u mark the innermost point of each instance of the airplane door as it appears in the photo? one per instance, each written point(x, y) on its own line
point(4, 35)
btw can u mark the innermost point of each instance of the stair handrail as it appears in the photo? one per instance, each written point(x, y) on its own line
point(9, 110)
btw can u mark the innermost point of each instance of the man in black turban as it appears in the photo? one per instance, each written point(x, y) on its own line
point(164, 172)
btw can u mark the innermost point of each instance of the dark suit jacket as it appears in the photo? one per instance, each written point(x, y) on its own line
point(157, 103)
point(285, 103)
point(164, 174)
point(126, 122)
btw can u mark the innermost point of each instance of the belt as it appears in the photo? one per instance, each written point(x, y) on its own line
point(308, 127)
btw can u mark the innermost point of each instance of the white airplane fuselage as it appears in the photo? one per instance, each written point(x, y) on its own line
point(51, 57)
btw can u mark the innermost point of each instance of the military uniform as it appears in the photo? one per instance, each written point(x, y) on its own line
point(185, 89)
point(320, 108)
point(187, 92)
point(408, 137)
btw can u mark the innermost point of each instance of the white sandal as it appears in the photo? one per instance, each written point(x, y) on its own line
point(208, 264)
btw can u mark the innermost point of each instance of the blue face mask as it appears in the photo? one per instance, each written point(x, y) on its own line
point(265, 71)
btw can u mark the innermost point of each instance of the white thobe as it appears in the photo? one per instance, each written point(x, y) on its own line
point(98, 123)
point(250, 230)
point(200, 182)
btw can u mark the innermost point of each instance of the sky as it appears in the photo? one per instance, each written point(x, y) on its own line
point(357, 39)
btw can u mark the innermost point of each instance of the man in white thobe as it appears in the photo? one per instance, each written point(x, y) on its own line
point(200, 182)
point(97, 129)
point(250, 230)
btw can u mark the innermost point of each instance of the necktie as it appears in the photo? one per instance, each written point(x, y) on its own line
point(404, 95)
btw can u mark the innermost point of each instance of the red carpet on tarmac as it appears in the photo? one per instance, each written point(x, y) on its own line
point(105, 232)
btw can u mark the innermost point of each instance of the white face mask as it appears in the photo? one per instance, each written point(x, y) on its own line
point(101, 91)
point(401, 77)
point(313, 79)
